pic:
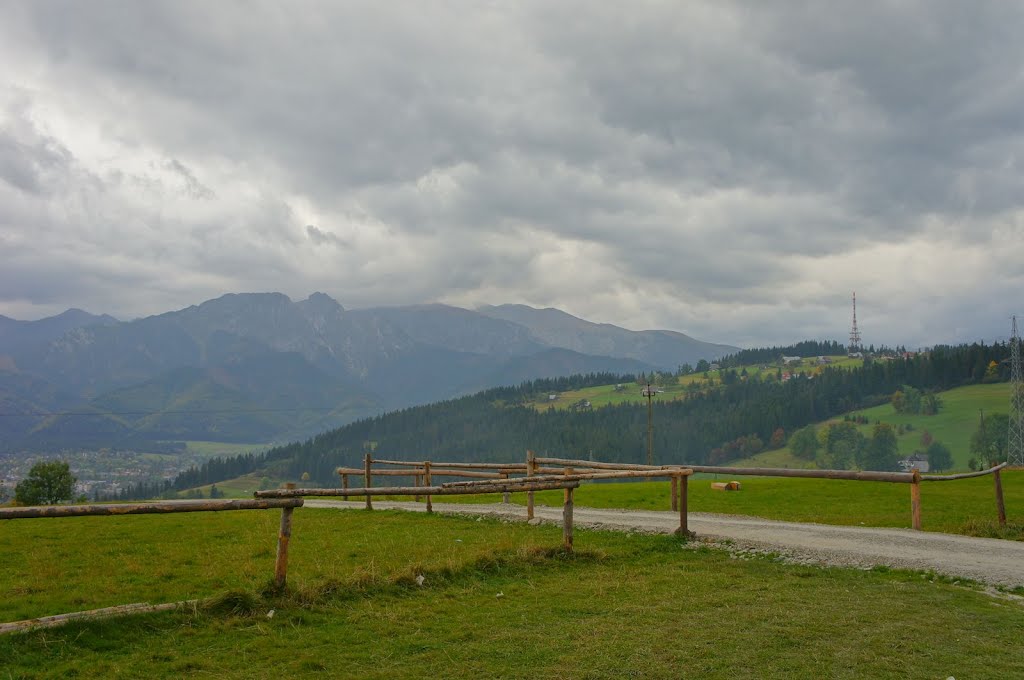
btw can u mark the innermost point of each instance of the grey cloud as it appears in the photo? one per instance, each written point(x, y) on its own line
point(320, 237)
point(29, 160)
point(677, 164)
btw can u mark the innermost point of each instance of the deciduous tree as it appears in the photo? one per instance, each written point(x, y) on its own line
point(47, 483)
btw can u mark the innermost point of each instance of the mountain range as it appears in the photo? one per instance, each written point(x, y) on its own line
point(261, 367)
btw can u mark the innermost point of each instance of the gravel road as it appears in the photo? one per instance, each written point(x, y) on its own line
point(987, 560)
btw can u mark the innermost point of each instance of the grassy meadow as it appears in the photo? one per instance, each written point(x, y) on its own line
point(214, 449)
point(498, 600)
point(629, 392)
point(953, 425)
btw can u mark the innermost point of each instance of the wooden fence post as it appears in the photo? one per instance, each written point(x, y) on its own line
point(566, 497)
point(427, 482)
point(416, 479)
point(530, 464)
point(284, 536)
point(673, 502)
point(915, 500)
point(344, 481)
point(567, 520)
point(368, 478)
point(1000, 507)
point(506, 497)
point(684, 523)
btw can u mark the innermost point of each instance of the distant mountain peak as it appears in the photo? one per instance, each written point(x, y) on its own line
point(322, 303)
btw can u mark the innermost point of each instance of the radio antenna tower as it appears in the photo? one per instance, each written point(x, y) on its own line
point(854, 333)
point(1015, 436)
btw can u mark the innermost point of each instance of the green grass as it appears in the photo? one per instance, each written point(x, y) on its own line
point(213, 449)
point(953, 425)
point(239, 487)
point(604, 395)
point(778, 458)
point(625, 606)
point(963, 506)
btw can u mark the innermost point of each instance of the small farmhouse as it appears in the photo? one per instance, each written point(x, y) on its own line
point(916, 460)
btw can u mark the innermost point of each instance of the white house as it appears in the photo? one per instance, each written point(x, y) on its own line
point(916, 460)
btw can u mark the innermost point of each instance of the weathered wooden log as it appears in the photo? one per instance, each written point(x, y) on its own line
point(284, 537)
point(105, 612)
point(673, 498)
point(506, 497)
point(593, 464)
point(915, 501)
point(368, 478)
point(531, 463)
point(427, 481)
point(415, 472)
point(418, 481)
point(860, 476)
point(152, 508)
point(684, 512)
point(443, 472)
point(344, 480)
point(582, 476)
point(495, 487)
point(567, 520)
point(1000, 507)
point(963, 475)
point(725, 486)
point(510, 467)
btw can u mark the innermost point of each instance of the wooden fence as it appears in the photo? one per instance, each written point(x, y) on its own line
point(287, 505)
point(913, 478)
point(492, 478)
point(488, 476)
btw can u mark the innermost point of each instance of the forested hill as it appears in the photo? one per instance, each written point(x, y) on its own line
point(495, 425)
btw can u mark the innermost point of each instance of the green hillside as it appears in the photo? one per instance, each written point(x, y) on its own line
point(629, 393)
point(953, 425)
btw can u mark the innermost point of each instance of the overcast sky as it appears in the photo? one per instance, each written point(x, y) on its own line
point(729, 170)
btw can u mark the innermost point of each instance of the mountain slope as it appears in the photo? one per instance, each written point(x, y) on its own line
point(664, 349)
point(16, 336)
point(293, 367)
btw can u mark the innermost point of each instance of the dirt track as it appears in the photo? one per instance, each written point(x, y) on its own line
point(988, 560)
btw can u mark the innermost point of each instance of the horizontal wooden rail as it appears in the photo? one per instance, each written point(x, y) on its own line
point(154, 508)
point(457, 466)
point(962, 475)
point(583, 476)
point(856, 475)
point(413, 472)
point(479, 488)
point(119, 610)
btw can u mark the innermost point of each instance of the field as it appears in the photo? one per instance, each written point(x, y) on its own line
point(955, 422)
point(953, 425)
point(497, 600)
point(213, 449)
point(629, 392)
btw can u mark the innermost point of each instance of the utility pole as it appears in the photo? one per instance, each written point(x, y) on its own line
point(649, 393)
point(1015, 436)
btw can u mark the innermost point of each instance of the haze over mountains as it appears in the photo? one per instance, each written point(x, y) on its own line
point(261, 367)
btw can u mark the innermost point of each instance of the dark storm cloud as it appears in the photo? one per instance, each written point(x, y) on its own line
point(732, 170)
